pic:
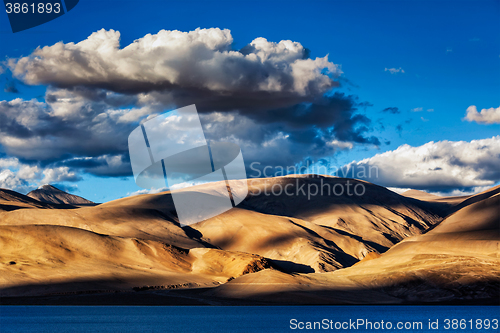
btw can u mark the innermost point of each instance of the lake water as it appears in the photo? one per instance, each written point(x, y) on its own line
point(206, 319)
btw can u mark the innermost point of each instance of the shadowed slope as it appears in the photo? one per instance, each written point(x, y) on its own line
point(378, 215)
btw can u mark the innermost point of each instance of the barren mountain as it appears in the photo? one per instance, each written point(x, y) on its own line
point(10, 200)
point(320, 232)
point(274, 247)
point(51, 194)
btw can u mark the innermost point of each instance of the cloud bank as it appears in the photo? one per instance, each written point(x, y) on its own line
point(270, 98)
point(200, 66)
point(440, 166)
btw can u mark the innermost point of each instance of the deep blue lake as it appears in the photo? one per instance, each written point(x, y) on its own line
point(274, 319)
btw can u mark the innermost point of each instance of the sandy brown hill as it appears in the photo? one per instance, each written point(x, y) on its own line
point(469, 200)
point(472, 233)
point(458, 261)
point(378, 215)
point(51, 194)
point(10, 200)
point(446, 206)
point(39, 259)
point(321, 233)
point(294, 245)
point(479, 216)
point(120, 220)
point(137, 242)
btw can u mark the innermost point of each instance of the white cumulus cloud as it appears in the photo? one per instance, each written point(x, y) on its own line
point(199, 62)
point(486, 116)
point(21, 177)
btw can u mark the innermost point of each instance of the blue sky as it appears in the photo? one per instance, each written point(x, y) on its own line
point(448, 54)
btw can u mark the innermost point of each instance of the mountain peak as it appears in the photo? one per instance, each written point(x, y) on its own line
point(51, 194)
point(48, 187)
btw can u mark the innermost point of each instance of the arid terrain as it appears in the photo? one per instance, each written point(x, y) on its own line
point(378, 248)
